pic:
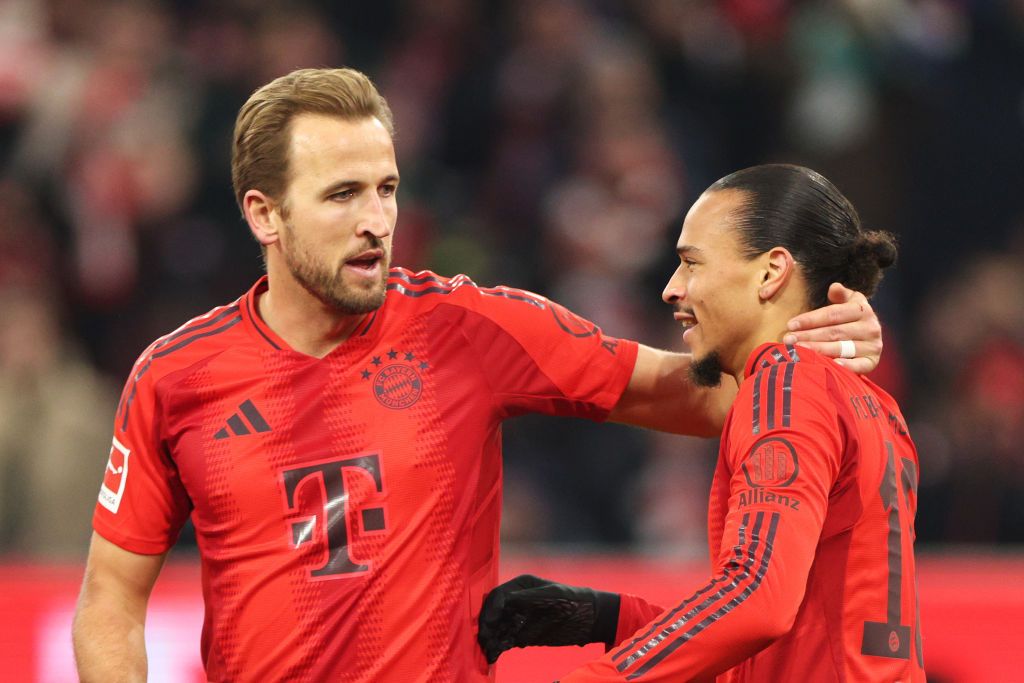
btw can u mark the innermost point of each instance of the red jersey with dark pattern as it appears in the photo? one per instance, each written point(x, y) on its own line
point(811, 527)
point(346, 508)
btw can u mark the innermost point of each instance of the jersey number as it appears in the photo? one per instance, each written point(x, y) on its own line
point(891, 638)
point(334, 512)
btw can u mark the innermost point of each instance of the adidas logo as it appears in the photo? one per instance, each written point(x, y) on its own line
point(239, 427)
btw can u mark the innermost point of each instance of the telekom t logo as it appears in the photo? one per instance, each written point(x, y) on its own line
point(333, 515)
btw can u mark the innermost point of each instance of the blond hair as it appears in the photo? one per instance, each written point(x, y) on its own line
point(259, 155)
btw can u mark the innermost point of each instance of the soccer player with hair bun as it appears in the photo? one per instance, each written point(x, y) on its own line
point(811, 515)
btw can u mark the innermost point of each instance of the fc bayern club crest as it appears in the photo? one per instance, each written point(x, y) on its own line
point(395, 378)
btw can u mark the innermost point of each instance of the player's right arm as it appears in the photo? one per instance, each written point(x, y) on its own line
point(140, 510)
point(661, 396)
point(111, 614)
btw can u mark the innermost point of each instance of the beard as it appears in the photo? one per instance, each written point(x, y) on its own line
point(707, 371)
point(329, 286)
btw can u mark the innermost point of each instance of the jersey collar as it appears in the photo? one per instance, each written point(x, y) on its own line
point(770, 353)
point(251, 317)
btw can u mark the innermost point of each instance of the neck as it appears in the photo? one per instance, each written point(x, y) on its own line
point(772, 329)
point(305, 322)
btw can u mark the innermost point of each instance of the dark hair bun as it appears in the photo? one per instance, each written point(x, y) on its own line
point(871, 253)
point(875, 245)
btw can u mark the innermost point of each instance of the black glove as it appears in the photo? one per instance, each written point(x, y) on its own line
point(529, 610)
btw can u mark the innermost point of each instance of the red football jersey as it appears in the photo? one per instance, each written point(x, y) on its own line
point(346, 508)
point(811, 530)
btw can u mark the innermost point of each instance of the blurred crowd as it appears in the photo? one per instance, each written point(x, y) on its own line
point(552, 145)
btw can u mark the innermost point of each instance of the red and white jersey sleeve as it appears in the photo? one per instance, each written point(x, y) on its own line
point(779, 457)
point(142, 504)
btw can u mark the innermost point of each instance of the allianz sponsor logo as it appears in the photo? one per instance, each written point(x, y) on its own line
point(758, 496)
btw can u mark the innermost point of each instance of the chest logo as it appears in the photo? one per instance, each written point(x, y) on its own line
point(332, 519)
point(395, 379)
point(237, 426)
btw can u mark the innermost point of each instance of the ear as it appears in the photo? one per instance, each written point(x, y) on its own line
point(779, 266)
point(262, 215)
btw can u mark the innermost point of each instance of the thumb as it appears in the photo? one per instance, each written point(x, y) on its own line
point(494, 605)
point(839, 293)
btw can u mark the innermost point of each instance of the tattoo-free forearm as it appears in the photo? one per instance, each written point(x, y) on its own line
point(108, 638)
point(661, 396)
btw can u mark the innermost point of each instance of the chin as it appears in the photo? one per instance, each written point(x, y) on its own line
point(355, 303)
point(706, 370)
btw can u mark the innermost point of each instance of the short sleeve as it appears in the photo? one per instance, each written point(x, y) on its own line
point(537, 356)
point(142, 504)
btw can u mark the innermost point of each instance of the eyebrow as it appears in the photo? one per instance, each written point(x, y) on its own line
point(343, 184)
point(688, 249)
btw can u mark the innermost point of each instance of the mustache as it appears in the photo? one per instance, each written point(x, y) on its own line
point(679, 308)
point(372, 242)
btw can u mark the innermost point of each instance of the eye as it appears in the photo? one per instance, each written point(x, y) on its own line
point(689, 263)
point(388, 189)
point(343, 195)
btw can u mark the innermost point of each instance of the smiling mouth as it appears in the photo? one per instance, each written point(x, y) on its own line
point(687, 320)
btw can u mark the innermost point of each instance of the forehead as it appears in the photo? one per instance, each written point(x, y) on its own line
point(709, 224)
point(321, 144)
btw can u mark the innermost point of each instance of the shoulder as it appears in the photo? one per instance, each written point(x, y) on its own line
point(430, 289)
point(424, 282)
point(787, 360)
point(199, 338)
point(780, 377)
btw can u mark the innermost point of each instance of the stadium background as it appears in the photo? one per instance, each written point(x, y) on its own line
point(547, 144)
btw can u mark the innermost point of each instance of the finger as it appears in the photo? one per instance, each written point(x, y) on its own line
point(493, 607)
point(494, 641)
point(865, 360)
point(492, 650)
point(861, 366)
point(857, 331)
point(524, 581)
point(840, 294)
point(836, 314)
point(834, 349)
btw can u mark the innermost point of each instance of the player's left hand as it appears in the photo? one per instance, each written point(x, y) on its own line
point(529, 610)
point(850, 317)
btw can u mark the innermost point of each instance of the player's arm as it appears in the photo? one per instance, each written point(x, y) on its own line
point(661, 396)
point(782, 466)
point(110, 617)
point(769, 539)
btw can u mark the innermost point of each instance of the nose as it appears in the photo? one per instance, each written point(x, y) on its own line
point(374, 220)
point(674, 290)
